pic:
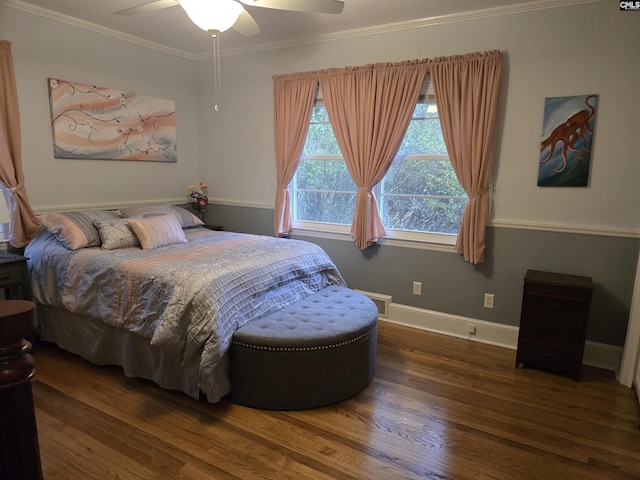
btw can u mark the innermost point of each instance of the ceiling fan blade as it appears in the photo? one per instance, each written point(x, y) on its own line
point(309, 6)
point(246, 25)
point(148, 7)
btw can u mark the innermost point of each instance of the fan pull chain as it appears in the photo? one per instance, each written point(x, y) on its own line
point(216, 68)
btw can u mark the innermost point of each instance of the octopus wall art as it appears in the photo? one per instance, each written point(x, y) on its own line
point(97, 123)
point(567, 137)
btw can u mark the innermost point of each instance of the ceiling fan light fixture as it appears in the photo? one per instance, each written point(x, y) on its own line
point(216, 15)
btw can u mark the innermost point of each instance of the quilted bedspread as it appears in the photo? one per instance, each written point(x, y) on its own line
point(185, 298)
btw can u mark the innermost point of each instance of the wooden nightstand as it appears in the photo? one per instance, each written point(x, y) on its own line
point(553, 321)
point(14, 276)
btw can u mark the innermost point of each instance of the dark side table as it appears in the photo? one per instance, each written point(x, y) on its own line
point(553, 321)
point(14, 276)
point(19, 450)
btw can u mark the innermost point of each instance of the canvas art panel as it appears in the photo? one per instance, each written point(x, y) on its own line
point(97, 123)
point(567, 138)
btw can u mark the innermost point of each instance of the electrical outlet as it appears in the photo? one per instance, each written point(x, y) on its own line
point(417, 288)
point(488, 300)
point(471, 329)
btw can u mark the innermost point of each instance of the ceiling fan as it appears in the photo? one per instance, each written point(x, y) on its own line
point(220, 15)
point(216, 16)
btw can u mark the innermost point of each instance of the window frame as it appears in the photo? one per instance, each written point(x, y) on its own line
point(407, 238)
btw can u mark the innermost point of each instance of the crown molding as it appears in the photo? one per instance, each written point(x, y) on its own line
point(533, 6)
point(92, 27)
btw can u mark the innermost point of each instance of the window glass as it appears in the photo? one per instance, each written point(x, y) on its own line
point(419, 193)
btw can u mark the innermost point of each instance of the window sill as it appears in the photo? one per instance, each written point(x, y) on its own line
point(433, 242)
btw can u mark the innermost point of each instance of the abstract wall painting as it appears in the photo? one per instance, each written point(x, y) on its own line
point(567, 138)
point(97, 123)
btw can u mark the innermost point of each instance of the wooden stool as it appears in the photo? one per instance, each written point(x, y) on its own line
point(19, 451)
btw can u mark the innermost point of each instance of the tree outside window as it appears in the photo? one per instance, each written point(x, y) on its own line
point(419, 193)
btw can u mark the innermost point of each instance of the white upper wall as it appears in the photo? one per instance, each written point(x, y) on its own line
point(584, 49)
point(43, 48)
point(547, 53)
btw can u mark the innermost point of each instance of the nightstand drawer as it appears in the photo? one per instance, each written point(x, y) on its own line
point(559, 336)
point(549, 355)
point(550, 292)
point(554, 313)
point(11, 275)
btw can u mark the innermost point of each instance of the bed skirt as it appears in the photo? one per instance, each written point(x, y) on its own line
point(103, 344)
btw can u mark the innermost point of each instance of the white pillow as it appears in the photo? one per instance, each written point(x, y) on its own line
point(155, 232)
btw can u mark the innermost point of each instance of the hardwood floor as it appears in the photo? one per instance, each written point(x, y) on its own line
point(438, 408)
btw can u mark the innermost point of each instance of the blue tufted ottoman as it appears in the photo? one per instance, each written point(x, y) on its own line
point(316, 352)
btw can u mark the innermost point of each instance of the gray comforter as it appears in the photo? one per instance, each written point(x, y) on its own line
point(184, 298)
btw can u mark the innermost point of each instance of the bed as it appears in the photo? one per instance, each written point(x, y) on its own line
point(150, 289)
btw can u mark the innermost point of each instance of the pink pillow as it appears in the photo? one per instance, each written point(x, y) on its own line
point(155, 232)
point(76, 229)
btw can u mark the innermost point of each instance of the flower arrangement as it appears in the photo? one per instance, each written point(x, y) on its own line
point(198, 199)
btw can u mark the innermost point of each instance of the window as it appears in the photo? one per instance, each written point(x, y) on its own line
point(5, 218)
point(419, 194)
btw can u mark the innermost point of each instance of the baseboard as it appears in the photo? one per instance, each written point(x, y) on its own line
point(506, 336)
point(602, 355)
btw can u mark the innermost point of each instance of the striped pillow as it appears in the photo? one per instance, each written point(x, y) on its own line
point(159, 231)
point(144, 211)
point(76, 229)
point(186, 218)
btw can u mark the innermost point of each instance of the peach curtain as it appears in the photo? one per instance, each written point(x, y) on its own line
point(293, 97)
point(467, 89)
point(24, 224)
point(370, 108)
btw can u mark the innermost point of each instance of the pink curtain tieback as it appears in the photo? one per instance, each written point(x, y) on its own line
point(481, 191)
point(20, 186)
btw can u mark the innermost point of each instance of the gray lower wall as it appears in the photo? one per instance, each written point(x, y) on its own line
point(451, 285)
